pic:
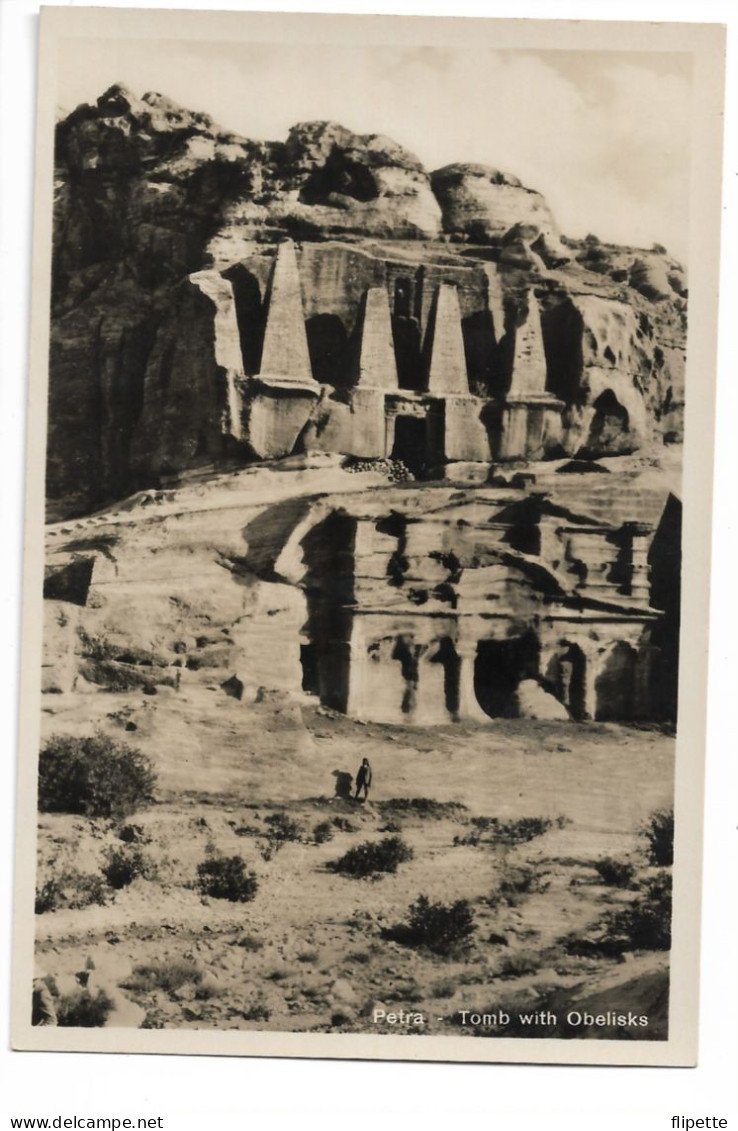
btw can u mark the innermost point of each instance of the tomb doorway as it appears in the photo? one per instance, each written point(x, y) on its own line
point(570, 676)
point(410, 444)
point(615, 684)
point(499, 667)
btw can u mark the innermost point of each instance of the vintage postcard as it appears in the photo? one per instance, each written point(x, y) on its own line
point(367, 556)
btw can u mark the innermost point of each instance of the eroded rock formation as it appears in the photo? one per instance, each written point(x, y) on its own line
point(175, 296)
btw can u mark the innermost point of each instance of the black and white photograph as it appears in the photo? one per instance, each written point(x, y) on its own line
point(362, 367)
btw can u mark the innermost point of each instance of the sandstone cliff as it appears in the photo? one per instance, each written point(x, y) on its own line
point(164, 239)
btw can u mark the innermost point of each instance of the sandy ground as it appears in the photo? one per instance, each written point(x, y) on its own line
point(310, 951)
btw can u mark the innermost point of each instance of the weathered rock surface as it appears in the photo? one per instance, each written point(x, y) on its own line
point(482, 203)
point(164, 245)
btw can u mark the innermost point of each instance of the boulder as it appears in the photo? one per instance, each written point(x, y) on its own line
point(343, 992)
point(652, 278)
point(482, 203)
point(531, 701)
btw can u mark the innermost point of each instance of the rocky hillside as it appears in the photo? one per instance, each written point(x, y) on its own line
point(166, 225)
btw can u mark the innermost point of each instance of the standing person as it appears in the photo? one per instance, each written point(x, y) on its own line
point(363, 779)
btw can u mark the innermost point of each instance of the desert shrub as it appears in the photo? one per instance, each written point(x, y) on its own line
point(442, 928)
point(256, 1012)
point(171, 976)
point(374, 856)
point(391, 827)
point(411, 992)
point(517, 831)
point(167, 976)
point(361, 956)
point(323, 832)
point(515, 882)
point(250, 943)
point(445, 987)
point(248, 830)
point(48, 897)
point(344, 825)
point(73, 891)
point(308, 956)
point(518, 965)
point(133, 834)
point(646, 922)
point(422, 807)
point(282, 827)
point(95, 776)
point(225, 877)
point(643, 924)
point(659, 833)
point(122, 866)
point(616, 873)
point(84, 1010)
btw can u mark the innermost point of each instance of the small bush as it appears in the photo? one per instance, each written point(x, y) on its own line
point(444, 988)
point(122, 867)
point(646, 922)
point(516, 882)
point(518, 965)
point(84, 1010)
point(616, 873)
point(48, 897)
point(282, 827)
point(225, 877)
point(659, 832)
point(374, 856)
point(442, 928)
point(323, 832)
point(422, 807)
point(167, 976)
point(94, 776)
point(517, 831)
point(250, 943)
point(643, 924)
point(133, 834)
point(171, 976)
point(256, 1012)
point(308, 956)
point(361, 956)
point(344, 825)
point(73, 891)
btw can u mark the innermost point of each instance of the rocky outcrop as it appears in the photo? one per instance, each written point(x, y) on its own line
point(164, 247)
point(482, 204)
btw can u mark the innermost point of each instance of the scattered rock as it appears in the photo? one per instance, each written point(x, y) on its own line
point(531, 701)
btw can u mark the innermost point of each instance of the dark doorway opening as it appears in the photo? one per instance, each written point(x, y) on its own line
point(570, 680)
point(309, 662)
point(615, 685)
point(411, 442)
point(499, 667)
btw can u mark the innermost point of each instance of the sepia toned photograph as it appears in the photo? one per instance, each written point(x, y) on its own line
point(363, 350)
